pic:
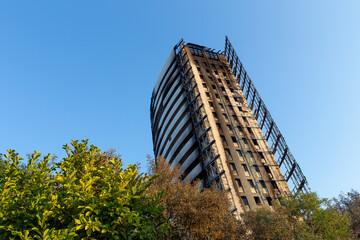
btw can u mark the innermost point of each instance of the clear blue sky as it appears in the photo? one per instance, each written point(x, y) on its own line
point(86, 69)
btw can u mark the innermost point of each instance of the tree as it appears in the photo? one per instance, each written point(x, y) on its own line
point(87, 195)
point(263, 223)
point(192, 214)
point(303, 216)
point(349, 203)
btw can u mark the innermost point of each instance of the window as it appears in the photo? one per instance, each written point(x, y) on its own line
point(216, 72)
point(245, 120)
point(213, 65)
point(215, 115)
point(261, 155)
point(198, 69)
point(201, 76)
point(229, 127)
point(231, 90)
point(239, 153)
point(223, 138)
point(218, 126)
point(233, 139)
point(235, 119)
point(251, 156)
point(211, 104)
point(207, 94)
point(217, 96)
point(213, 87)
point(210, 78)
point(267, 169)
point(245, 141)
point(227, 151)
point(257, 200)
point(239, 128)
point(224, 73)
point(196, 61)
point(246, 170)
point(251, 183)
point(275, 186)
point(221, 106)
point(231, 108)
point(245, 201)
point(252, 186)
point(240, 109)
point(255, 142)
point(226, 117)
point(205, 63)
point(227, 82)
point(219, 80)
point(269, 200)
point(221, 67)
point(238, 183)
point(226, 98)
point(263, 186)
point(257, 170)
point(223, 89)
point(204, 85)
point(207, 70)
point(232, 166)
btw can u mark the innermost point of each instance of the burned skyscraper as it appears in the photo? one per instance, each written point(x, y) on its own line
point(207, 116)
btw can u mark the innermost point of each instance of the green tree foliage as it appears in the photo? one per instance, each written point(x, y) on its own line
point(304, 216)
point(193, 214)
point(349, 203)
point(87, 195)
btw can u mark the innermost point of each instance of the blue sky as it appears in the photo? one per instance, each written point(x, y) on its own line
point(86, 69)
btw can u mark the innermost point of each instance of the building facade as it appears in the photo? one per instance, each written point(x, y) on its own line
point(207, 116)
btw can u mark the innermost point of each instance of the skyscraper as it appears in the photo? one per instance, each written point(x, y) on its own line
point(207, 116)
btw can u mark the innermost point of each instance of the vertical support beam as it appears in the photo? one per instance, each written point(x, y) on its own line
point(258, 109)
point(243, 85)
point(283, 157)
point(239, 74)
point(301, 185)
point(235, 68)
point(269, 132)
point(253, 99)
point(226, 44)
point(291, 171)
point(276, 143)
point(248, 89)
point(263, 121)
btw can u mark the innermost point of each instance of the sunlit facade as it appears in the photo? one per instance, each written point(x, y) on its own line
point(202, 120)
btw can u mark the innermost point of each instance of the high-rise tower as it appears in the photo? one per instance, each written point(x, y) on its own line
point(207, 116)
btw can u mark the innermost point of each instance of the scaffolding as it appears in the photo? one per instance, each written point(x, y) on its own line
point(273, 136)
